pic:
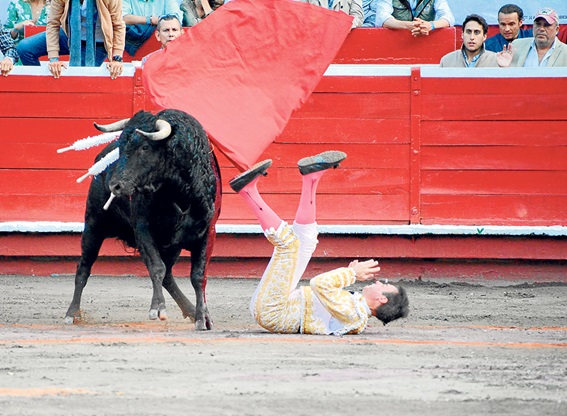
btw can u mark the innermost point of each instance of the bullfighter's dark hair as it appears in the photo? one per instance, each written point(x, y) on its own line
point(396, 307)
point(479, 19)
point(512, 8)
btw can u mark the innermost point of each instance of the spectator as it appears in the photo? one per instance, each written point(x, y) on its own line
point(168, 29)
point(418, 16)
point(351, 7)
point(473, 54)
point(510, 21)
point(196, 10)
point(544, 49)
point(105, 37)
point(141, 18)
point(22, 13)
point(369, 10)
point(9, 51)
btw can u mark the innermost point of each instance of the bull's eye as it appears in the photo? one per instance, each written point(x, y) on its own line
point(145, 147)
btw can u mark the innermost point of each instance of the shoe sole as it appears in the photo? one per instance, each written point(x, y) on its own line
point(243, 179)
point(326, 160)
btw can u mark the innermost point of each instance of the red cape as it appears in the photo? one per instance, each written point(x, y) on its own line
point(244, 69)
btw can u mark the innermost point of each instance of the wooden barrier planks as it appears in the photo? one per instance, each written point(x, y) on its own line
point(470, 151)
point(493, 150)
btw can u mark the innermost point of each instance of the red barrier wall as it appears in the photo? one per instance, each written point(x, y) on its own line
point(426, 146)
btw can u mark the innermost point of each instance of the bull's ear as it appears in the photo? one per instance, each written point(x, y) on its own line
point(164, 130)
point(109, 128)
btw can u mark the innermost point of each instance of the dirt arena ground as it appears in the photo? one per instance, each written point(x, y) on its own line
point(465, 349)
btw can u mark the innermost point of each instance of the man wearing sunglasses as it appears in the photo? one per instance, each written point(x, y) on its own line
point(142, 17)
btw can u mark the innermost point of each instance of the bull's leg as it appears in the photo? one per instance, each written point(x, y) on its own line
point(187, 308)
point(150, 255)
point(156, 268)
point(198, 280)
point(90, 246)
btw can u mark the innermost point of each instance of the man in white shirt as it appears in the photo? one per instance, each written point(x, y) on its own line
point(420, 17)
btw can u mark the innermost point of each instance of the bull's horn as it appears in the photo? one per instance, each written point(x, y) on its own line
point(108, 128)
point(164, 130)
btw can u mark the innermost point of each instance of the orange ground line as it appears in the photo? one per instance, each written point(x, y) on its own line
point(491, 327)
point(283, 339)
point(37, 392)
point(166, 327)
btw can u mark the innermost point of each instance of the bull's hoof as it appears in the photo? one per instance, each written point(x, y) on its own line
point(162, 315)
point(200, 325)
point(158, 313)
point(69, 320)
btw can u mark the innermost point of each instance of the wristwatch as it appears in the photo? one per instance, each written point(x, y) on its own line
point(117, 58)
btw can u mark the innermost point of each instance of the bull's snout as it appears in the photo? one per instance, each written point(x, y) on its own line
point(120, 188)
point(116, 189)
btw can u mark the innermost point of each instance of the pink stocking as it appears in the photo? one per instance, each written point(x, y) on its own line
point(306, 211)
point(265, 215)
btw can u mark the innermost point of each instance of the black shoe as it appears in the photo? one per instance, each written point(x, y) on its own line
point(326, 160)
point(240, 181)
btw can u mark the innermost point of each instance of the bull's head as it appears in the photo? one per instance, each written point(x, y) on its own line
point(141, 153)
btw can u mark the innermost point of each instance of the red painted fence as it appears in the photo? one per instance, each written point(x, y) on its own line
point(484, 149)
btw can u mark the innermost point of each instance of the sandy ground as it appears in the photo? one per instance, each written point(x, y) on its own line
point(497, 349)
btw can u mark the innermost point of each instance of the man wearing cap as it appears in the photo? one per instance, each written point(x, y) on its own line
point(544, 50)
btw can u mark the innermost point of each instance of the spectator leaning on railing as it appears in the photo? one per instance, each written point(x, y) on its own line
point(544, 49)
point(89, 32)
point(9, 51)
point(418, 16)
point(510, 21)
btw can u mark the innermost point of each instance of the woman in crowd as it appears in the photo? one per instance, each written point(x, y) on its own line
point(22, 13)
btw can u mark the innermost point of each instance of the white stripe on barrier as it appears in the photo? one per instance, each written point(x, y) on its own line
point(457, 230)
point(367, 70)
point(74, 71)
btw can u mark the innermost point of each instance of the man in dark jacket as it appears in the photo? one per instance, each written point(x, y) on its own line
point(510, 21)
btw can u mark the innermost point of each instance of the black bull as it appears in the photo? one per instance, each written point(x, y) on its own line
point(168, 196)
